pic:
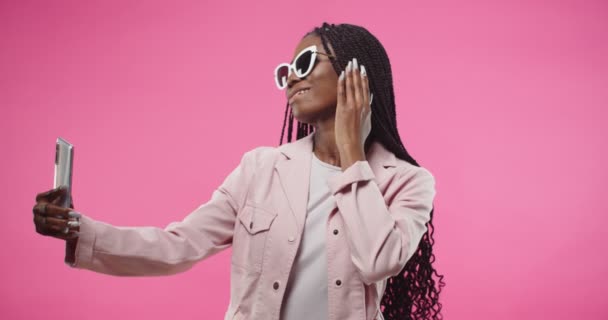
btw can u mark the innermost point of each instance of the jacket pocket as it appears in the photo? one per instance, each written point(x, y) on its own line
point(250, 235)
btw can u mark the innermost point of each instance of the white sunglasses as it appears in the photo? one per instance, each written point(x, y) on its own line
point(302, 65)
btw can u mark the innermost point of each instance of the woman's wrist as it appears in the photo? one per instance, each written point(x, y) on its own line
point(70, 250)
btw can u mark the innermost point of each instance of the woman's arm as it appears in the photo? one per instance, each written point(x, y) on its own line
point(383, 237)
point(152, 251)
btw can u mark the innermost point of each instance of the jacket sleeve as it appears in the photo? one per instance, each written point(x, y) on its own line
point(383, 237)
point(152, 251)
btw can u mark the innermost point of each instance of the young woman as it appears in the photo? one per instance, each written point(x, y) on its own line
point(335, 225)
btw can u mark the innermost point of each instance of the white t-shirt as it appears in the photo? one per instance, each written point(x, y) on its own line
point(306, 291)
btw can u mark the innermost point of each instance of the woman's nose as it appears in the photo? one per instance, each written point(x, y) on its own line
point(291, 79)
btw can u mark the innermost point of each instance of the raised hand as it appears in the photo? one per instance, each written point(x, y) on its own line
point(353, 114)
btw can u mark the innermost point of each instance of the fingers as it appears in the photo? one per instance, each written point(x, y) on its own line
point(341, 90)
point(59, 200)
point(55, 224)
point(349, 85)
point(53, 220)
point(56, 227)
point(357, 84)
point(365, 87)
point(51, 194)
point(51, 210)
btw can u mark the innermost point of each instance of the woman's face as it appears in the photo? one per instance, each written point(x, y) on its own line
point(319, 102)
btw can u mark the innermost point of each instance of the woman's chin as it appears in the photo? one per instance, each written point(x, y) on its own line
point(298, 114)
point(305, 112)
point(296, 110)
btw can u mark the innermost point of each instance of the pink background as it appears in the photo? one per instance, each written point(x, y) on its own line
point(505, 102)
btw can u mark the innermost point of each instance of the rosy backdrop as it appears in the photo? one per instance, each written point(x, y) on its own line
point(505, 102)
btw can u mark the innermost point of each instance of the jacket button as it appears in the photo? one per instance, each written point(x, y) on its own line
point(338, 282)
point(275, 286)
point(335, 231)
point(291, 239)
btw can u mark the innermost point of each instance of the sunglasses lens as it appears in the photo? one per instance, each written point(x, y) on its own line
point(303, 64)
point(282, 74)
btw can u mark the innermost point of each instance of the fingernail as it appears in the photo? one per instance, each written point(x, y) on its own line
point(74, 214)
point(363, 72)
point(355, 64)
point(342, 75)
point(348, 66)
point(72, 224)
point(66, 229)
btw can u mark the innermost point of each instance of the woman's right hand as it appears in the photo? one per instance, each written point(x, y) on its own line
point(53, 220)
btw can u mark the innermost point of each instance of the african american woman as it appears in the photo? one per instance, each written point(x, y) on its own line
point(335, 225)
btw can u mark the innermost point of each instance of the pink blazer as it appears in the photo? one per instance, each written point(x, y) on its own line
point(382, 206)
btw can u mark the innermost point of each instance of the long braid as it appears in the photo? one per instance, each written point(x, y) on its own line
point(290, 128)
point(284, 122)
point(412, 294)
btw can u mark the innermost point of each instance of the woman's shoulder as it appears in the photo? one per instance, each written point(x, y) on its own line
point(380, 155)
point(415, 173)
point(262, 154)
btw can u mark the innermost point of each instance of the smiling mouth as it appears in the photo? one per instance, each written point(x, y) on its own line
point(299, 94)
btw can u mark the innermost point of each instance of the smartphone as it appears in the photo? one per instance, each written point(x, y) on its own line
point(64, 159)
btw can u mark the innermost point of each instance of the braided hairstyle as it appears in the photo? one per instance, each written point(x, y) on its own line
point(411, 294)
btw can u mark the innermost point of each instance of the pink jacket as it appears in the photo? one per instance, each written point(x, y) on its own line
point(382, 206)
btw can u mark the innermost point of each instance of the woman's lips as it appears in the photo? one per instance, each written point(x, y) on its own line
point(299, 94)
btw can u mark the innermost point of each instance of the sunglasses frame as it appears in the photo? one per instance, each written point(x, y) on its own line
point(292, 66)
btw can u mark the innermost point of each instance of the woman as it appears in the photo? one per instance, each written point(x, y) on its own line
point(330, 226)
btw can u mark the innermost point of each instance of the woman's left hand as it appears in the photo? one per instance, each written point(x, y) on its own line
point(353, 114)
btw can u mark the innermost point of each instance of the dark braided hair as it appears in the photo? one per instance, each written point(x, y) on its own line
point(411, 294)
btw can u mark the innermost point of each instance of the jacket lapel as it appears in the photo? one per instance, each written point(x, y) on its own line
point(293, 169)
point(294, 173)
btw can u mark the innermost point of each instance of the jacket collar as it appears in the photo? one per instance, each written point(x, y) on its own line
point(294, 173)
point(377, 155)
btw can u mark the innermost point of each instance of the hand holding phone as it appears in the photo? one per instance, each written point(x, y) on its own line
point(54, 213)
